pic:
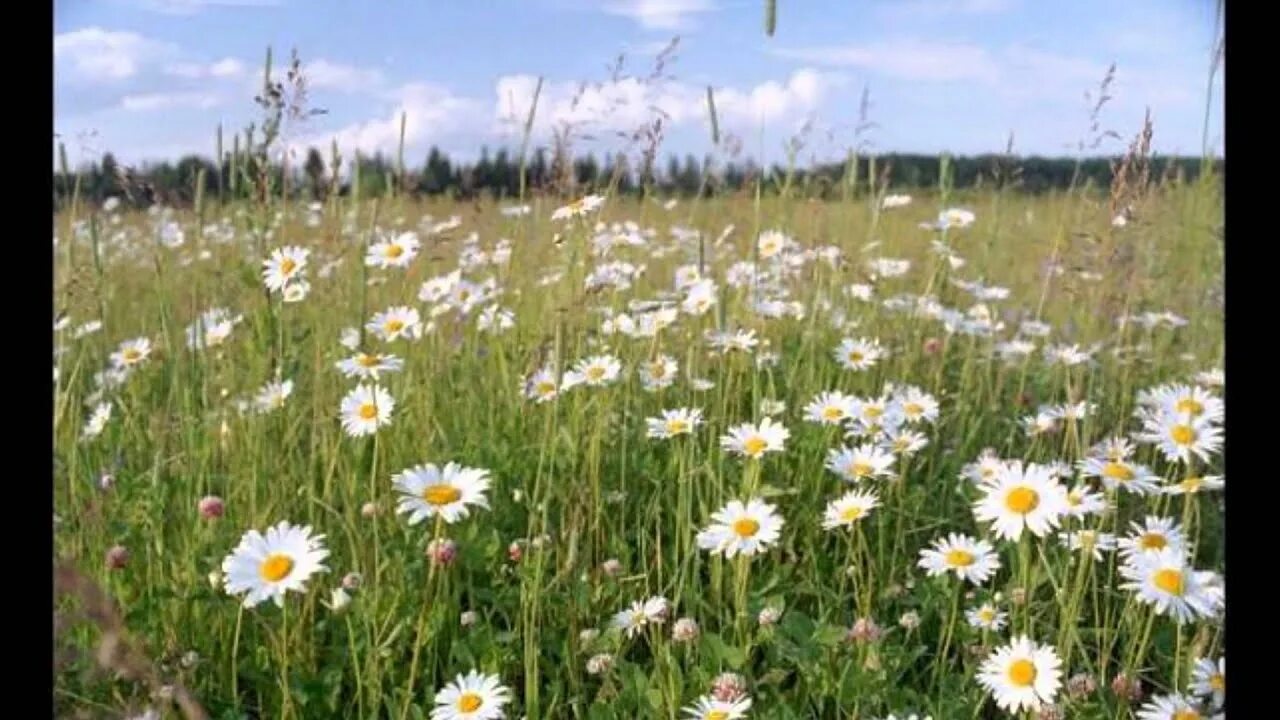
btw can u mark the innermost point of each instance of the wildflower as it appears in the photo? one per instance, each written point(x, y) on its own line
point(471, 697)
point(266, 567)
point(741, 529)
point(365, 409)
point(428, 491)
point(969, 559)
point(1022, 675)
point(753, 441)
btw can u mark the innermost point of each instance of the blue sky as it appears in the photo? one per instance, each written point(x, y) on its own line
point(151, 79)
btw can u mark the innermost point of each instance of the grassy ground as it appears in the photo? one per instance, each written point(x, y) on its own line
point(575, 482)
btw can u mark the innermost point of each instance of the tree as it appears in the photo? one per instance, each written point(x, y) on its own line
point(315, 170)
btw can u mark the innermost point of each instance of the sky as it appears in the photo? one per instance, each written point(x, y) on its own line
point(151, 80)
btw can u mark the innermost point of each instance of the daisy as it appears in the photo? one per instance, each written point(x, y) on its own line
point(1021, 496)
point(772, 407)
point(541, 386)
point(873, 412)
point(984, 469)
point(905, 442)
point(1091, 542)
point(862, 462)
point(131, 353)
point(955, 218)
point(266, 567)
point(1195, 484)
point(893, 201)
point(437, 288)
point(367, 366)
point(1041, 423)
point(1209, 680)
point(1153, 535)
point(858, 354)
point(395, 323)
point(970, 559)
point(771, 243)
point(1021, 675)
point(596, 371)
point(428, 491)
point(708, 707)
point(700, 298)
point(1211, 378)
point(830, 408)
point(273, 395)
point(738, 529)
point(658, 373)
point(211, 330)
point(495, 319)
point(633, 620)
point(1081, 502)
point(1164, 580)
point(365, 409)
point(97, 421)
point(1119, 473)
point(296, 291)
point(1191, 401)
point(1178, 437)
point(471, 697)
point(578, 208)
point(917, 406)
point(986, 617)
point(398, 251)
point(753, 441)
point(1067, 355)
point(680, 421)
point(1170, 707)
point(849, 509)
point(284, 265)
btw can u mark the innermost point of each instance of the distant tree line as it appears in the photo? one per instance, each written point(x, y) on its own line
point(497, 175)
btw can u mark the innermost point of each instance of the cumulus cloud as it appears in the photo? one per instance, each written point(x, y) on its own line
point(660, 14)
point(164, 101)
point(94, 54)
point(328, 75)
point(906, 58)
point(224, 68)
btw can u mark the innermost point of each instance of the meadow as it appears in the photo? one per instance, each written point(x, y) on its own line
point(952, 455)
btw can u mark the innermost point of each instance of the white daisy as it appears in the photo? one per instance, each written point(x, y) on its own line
point(1090, 542)
point(578, 208)
point(1153, 535)
point(860, 463)
point(365, 409)
point(658, 373)
point(398, 251)
point(1022, 675)
point(1179, 437)
point(1119, 473)
point(1081, 501)
point(738, 529)
point(131, 353)
point(970, 559)
point(1195, 484)
point(395, 323)
point(266, 567)
point(367, 366)
point(916, 406)
point(680, 421)
point(1164, 580)
point(284, 265)
point(708, 707)
point(849, 509)
point(273, 395)
point(858, 354)
point(97, 421)
point(596, 371)
point(830, 408)
point(427, 491)
point(1021, 497)
point(753, 441)
point(471, 697)
point(986, 617)
point(542, 386)
point(1171, 707)
point(1209, 680)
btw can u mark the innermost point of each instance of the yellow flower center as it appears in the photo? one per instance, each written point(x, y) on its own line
point(368, 411)
point(595, 372)
point(676, 426)
point(746, 527)
point(862, 469)
point(1117, 471)
point(873, 411)
point(913, 409)
point(470, 702)
point(1087, 539)
point(987, 615)
point(276, 567)
point(1074, 498)
point(441, 494)
point(1022, 673)
point(1183, 434)
point(393, 251)
point(1186, 714)
point(851, 513)
point(900, 444)
point(367, 360)
point(856, 357)
point(287, 266)
point(1022, 500)
point(718, 715)
point(1190, 406)
point(1169, 580)
point(1153, 541)
point(959, 558)
point(832, 413)
point(394, 326)
point(987, 473)
point(755, 445)
point(578, 206)
point(131, 355)
point(1218, 682)
point(657, 369)
point(546, 387)
point(1191, 484)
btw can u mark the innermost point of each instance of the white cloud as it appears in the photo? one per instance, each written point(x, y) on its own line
point(906, 59)
point(431, 112)
point(93, 54)
point(326, 75)
point(168, 100)
point(922, 10)
point(660, 14)
point(224, 68)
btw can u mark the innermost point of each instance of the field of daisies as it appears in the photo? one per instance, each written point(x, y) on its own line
point(944, 456)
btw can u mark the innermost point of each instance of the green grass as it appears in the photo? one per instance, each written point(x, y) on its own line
point(581, 471)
